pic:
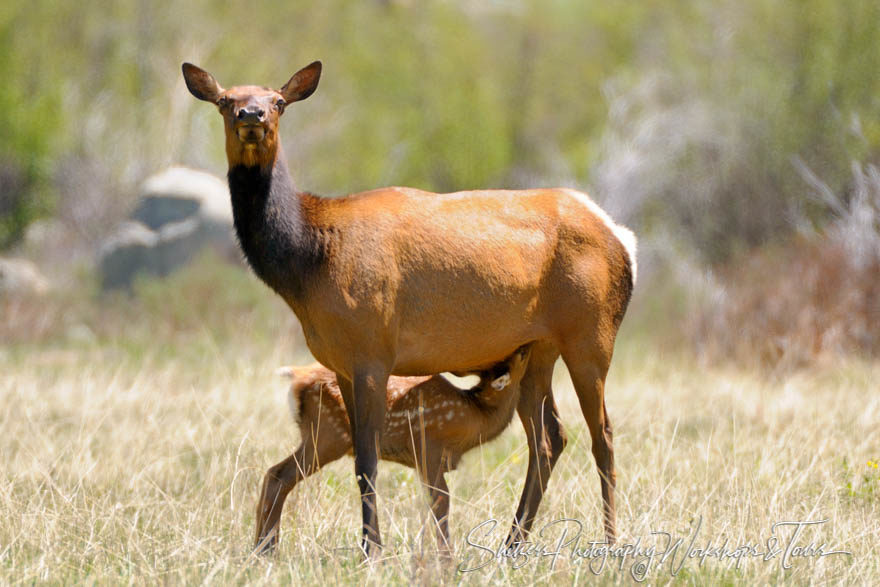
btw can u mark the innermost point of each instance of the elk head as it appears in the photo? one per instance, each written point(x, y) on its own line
point(251, 113)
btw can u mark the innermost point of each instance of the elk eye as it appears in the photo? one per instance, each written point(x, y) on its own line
point(279, 104)
point(222, 102)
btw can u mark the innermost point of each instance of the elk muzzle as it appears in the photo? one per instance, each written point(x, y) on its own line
point(249, 124)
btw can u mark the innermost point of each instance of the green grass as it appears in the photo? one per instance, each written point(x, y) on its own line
point(134, 455)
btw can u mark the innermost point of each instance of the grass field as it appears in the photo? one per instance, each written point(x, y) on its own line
point(136, 432)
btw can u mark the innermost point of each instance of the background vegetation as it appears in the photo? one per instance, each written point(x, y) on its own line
point(739, 139)
point(711, 128)
point(451, 95)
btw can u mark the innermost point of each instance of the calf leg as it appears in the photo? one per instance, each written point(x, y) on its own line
point(434, 480)
point(279, 481)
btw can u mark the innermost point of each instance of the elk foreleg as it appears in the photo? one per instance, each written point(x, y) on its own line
point(365, 401)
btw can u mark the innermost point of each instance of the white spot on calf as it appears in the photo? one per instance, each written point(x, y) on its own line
point(501, 382)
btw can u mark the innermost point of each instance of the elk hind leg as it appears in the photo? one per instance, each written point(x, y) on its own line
point(546, 437)
point(588, 371)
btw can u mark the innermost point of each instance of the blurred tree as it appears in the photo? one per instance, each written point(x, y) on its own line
point(28, 115)
point(682, 115)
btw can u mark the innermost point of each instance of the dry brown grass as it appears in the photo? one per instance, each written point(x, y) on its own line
point(135, 457)
point(136, 432)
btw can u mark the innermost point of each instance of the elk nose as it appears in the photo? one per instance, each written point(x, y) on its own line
point(251, 114)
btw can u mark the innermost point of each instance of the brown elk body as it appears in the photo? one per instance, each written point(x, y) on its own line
point(407, 282)
point(429, 425)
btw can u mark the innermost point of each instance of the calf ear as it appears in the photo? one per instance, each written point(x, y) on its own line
point(303, 83)
point(201, 84)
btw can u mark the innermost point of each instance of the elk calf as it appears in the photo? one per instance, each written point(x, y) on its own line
point(429, 425)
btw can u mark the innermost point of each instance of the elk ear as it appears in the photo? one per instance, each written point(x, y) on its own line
point(303, 83)
point(201, 84)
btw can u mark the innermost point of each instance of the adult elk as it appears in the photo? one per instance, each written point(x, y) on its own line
point(399, 280)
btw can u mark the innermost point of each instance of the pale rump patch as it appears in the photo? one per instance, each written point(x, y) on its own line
point(623, 234)
point(501, 382)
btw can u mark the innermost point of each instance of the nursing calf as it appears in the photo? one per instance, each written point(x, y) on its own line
point(429, 425)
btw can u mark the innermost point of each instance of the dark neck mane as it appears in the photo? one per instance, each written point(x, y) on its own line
point(270, 221)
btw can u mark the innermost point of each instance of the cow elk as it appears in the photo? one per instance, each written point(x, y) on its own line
point(402, 281)
point(429, 424)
